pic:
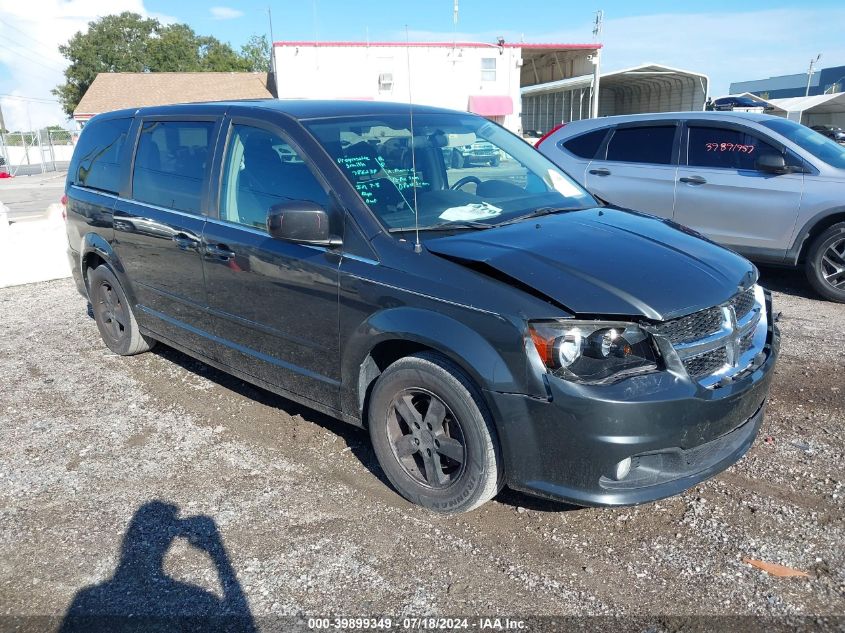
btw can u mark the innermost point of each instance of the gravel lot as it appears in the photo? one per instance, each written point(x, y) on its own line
point(89, 439)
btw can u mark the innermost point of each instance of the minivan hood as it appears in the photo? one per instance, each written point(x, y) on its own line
point(605, 261)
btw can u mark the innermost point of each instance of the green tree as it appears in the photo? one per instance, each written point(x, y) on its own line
point(257, 52)
point(114, 43)
point(219, 56)
point(131, 43)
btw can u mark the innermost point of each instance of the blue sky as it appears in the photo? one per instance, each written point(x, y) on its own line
point(727, 40)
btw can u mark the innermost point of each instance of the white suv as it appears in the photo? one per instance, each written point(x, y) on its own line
point(767, 187)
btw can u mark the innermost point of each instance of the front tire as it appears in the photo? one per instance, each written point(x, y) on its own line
point(433, 436)
point(113, 314)
point(825, 263)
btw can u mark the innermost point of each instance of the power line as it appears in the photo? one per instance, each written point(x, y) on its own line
point(23, 98)
point(29, 59)
point(14, 28)
point(26, 47)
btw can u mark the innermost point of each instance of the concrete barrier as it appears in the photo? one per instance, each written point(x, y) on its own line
point(33, 251)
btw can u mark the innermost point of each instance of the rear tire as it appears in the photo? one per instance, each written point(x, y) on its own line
point(113, 314)
point(457, 159)
point(825, 263)
point(433, 436)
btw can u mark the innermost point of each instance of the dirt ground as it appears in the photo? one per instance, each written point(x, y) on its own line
point(103, 460)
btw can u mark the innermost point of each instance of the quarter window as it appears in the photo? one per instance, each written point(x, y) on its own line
point(261, 170)
point(585, 145)
point(648, 144)
point(98, 150)
point(488, 69)
point(724, 148)
point(170, 164)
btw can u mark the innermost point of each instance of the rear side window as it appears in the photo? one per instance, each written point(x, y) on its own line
point(170, 164)
point(96, 158)
point(585, 145)
point(725, 148)
point(651, 144)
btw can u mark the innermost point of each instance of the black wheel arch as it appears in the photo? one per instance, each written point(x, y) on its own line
point(96, 251)
point(405, 331)
point(814, 227)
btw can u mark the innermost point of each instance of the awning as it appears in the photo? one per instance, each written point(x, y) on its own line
point(490, 105)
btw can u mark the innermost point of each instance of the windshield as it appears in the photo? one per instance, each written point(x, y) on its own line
point(463, 172)
point(817, 144)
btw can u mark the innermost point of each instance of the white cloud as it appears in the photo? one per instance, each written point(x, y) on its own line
point(725, 46)
point(225, 13)
point(30, 63)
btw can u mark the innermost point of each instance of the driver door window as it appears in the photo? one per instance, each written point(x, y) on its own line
point(260, 170)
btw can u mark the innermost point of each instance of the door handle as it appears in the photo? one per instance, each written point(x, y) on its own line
point(693, 180)
point(219, 251)
point(600, 172)
point(185, 241)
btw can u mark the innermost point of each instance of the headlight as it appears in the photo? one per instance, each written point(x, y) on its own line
point(593, 351)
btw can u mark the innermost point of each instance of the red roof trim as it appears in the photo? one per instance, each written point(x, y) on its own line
point(440, 45)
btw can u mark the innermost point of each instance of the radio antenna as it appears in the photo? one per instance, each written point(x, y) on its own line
point(417, 245)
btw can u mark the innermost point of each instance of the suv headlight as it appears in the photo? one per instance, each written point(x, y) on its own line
point(594, 351)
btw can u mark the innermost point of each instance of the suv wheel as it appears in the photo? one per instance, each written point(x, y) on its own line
point(432, 435)
point(825, 264)
point(113, 315)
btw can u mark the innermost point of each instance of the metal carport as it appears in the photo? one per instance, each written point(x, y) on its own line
point(645, 88)
point(816, 110)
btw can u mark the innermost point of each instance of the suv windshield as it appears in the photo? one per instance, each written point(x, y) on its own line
point(818, 145)
point(459, 171)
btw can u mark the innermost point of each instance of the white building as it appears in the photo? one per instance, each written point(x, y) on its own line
point(472, 76)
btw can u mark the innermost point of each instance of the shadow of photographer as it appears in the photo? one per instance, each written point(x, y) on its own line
point(140, 596)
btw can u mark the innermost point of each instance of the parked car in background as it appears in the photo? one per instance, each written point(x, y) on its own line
point(477, 153)
point(532, 136)
point(766, 187)
point(742, 104)
point(830, 131)
point(531, 337)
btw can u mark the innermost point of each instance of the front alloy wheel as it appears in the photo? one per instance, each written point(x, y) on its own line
point(426, 438)
point(433, 436)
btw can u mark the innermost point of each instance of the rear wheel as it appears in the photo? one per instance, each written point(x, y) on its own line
point(433, 436)
point(113, 314)
point(457, 159)
point(825, 263)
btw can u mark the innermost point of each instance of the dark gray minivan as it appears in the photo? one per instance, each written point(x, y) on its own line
point(489, 325)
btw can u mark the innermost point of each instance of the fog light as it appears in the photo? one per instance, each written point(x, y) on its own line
point(622, 469)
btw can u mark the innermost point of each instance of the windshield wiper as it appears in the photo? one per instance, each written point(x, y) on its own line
point(443, 226)
point(537, 213)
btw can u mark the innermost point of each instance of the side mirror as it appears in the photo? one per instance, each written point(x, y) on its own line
point(771, 163)
point(301, 221)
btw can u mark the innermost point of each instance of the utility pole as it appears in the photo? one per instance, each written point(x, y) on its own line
point(3, 139)
point(596, 59)
point(810, 73)
point(272, 50)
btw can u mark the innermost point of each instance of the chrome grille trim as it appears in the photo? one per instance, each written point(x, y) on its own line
point(736, 333)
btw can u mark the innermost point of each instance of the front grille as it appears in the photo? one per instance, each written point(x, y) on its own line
point(706, 364)
point(692, 327)
point(743, 303)
point(746, 342)
point(718, 342)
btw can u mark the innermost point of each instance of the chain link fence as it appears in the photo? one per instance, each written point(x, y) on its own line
point(35, 152)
